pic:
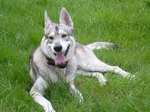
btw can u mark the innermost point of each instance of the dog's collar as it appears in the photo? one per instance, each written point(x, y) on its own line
point(51, 62)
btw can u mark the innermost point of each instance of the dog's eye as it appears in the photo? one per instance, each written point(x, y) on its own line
point(64, 35)
point(51, 37)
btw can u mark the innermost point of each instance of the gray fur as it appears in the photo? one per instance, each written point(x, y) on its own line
point(80, 60)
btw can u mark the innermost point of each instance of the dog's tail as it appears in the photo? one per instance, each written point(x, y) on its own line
point(99, 45)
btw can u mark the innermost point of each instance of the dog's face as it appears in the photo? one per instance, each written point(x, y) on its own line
point(58, 42)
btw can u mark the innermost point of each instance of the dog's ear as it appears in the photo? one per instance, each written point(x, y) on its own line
point(65, 18)
point(47, 20)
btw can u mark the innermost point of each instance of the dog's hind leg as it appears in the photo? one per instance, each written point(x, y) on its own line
point(99, 66)
point(93, 64)
point(37, 92)
point(87, 61)
point(102, 80)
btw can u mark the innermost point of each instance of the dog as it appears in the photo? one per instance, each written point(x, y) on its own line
point(60, 56)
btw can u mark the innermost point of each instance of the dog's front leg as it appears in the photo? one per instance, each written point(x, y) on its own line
point(71, 70)
point(76, 93)
point(37, 92)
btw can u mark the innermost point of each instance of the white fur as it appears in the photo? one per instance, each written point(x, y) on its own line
point(80, 60)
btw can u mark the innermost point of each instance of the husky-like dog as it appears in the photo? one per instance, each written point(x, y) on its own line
point(60, 56)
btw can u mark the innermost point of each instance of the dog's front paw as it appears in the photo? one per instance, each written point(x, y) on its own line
point(130, 76)
point(47, 106)
point(103, 83)
point(80, 97)
point(51, 111)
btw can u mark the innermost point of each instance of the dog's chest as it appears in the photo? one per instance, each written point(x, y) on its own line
point(61, 73)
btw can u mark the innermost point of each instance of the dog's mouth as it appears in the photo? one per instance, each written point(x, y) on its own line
point(60, 57)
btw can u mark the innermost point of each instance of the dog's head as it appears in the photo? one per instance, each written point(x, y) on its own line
point(58, 42)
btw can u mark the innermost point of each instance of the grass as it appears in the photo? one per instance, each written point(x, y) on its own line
point(124, 22)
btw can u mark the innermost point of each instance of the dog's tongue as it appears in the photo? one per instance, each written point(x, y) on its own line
point(60, 58)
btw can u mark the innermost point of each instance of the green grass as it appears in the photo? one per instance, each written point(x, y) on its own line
point(124, 22)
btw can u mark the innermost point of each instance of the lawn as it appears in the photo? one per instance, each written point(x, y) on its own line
point(124, 22)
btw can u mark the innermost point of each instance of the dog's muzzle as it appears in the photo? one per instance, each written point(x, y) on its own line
point(59, 48)
point(60, 57)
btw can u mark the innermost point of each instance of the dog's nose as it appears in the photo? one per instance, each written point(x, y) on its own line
point(58, 48)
